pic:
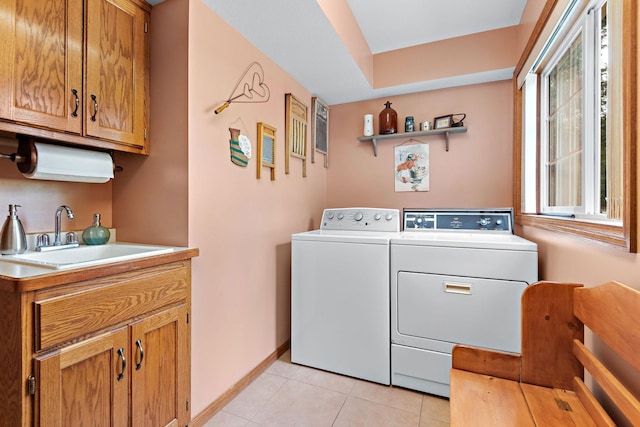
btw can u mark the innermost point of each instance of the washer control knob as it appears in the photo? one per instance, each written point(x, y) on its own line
point(498, 222)
point(419, 220)
point(330, 215)
point(389, 217)
point(485, 221)
point(358, 216)
point(377, 217)
point(340, 215)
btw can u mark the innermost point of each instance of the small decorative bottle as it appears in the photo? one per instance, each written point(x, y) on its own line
point(388, 120)
point(96, 234)
point(409, 124)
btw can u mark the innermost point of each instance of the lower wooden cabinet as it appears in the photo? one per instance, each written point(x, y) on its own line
point(158, 388)
point(110, 351)
point(85, 384)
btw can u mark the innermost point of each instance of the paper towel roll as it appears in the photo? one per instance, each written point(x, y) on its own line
point(57, 163)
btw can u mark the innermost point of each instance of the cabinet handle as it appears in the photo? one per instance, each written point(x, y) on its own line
point(140, 354)
point(124, 363)
point(75, 110)
point(95, 107)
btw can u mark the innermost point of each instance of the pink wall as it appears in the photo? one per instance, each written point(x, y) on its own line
point(470, 54)
point(188, 192)
point(151, 194)
point(475, 172)
point(566, 258)
point(528, 20)
point(242, 225)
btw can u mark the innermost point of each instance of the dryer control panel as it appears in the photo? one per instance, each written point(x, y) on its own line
point(497, 220)
point(361, 219)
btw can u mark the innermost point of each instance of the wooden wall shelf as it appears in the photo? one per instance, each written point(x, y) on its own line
point(445, 131)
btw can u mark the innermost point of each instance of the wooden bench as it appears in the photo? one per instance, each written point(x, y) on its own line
point(544, 385)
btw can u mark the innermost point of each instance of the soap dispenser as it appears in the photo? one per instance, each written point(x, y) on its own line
point(96, 234)
point(13, 240)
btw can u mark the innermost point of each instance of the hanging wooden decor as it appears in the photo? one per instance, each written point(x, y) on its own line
point(319, 129)
point(295, 132)
point(266, 149)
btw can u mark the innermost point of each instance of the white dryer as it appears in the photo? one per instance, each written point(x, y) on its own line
point(340, 293)
point(457, 277)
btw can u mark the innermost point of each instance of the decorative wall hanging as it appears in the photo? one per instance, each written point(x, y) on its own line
point(411, 167)
point(320, 129)
point(457, 122)
point(295, 132)
point(442, 122)
point(250, 88)
point(240, 148)
point(449, 121)
point(266, 149)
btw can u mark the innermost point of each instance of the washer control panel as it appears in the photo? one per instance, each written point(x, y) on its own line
point(361, 219)
point(499, 220)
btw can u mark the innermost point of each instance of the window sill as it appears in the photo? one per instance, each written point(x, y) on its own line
point(596, 231)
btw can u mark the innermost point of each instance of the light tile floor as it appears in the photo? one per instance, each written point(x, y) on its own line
point(292, 395)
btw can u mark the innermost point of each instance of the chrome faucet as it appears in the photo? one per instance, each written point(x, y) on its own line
point(42, 240)
point(56, 236)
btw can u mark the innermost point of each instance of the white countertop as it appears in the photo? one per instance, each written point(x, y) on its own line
point(14, 270)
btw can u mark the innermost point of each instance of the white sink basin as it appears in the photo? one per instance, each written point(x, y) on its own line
point(86, 255)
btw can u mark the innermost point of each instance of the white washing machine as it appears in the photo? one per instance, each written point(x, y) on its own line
point(457, 277)
point(340, 293)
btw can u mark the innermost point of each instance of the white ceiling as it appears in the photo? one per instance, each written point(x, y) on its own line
point(298, 37)
point(413, 22)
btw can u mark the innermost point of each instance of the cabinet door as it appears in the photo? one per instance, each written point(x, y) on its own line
point(116, 72)
point(41, 63)
point(160, 369)
point(85, 384)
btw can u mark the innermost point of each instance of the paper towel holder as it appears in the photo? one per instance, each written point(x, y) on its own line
point(26, 156)
point(15, 157)
point(29, 155)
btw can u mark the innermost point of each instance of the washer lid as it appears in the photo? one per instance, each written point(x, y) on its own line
point(340, 236)
point(478, 240)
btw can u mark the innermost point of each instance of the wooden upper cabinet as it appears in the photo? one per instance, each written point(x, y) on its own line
point(115, 71)
point(41, 63)
point(78, 68)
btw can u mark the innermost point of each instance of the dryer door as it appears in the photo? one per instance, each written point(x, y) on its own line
point(458, 310)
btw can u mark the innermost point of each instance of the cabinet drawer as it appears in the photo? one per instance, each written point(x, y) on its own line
point(111, 301)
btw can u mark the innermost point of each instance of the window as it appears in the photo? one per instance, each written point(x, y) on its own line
point(574, 128)
point(563, 148)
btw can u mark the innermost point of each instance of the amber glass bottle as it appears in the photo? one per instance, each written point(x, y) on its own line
point(388, 120)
